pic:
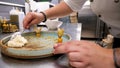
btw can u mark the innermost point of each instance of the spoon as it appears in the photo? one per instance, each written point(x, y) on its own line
point(22, 31)
point(16, 33)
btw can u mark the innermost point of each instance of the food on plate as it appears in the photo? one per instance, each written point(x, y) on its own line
point(37, 30)
point(60, 40)
point(60, 34)
point(18, 41)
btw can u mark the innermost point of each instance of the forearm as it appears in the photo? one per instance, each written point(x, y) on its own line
point(117, 57)
point(58, 11)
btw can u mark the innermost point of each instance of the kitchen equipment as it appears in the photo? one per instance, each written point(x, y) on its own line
point(53, 24)
point(16, 17)
point(37, 47)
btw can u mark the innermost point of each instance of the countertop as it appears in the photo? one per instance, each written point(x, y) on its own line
point(49, 62)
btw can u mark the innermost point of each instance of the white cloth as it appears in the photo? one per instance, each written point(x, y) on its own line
point(108, 9)
point(75, 5)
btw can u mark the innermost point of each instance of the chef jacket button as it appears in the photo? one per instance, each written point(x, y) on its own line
point(91, 0)
point(109, 28)
point(99, 15)
point(116, 1)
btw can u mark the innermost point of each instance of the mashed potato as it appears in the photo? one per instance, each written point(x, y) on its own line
point(18, 41)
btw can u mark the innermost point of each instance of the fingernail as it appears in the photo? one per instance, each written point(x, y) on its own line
point(56, 45)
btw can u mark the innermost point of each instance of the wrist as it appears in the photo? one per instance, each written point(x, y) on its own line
point(44, 17)
point(110, 59)
point(116, 57)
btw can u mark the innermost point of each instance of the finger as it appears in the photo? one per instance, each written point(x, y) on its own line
point(77, 64)
point(34, 21)
point(75, 42)
point(65, 48)
point(27, 20)
point(67, 43)
point(56, 45)
point(75, 56)
point(59, 48)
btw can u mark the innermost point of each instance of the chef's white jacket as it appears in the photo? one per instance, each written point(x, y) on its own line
point(108, 9)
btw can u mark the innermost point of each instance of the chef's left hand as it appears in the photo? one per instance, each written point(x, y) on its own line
point(86, 54)
point(32, 18)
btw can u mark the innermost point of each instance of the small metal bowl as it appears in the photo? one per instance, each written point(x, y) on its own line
point(53, 24)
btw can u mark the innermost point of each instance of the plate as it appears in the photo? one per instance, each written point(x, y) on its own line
point(37, 47)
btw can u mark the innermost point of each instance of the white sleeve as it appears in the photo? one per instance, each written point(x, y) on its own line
point(75, 5)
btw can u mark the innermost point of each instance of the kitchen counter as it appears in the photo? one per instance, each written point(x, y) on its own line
point(49, 62)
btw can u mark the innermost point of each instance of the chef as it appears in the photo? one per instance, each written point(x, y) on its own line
point(109, 12)
point(85, 54)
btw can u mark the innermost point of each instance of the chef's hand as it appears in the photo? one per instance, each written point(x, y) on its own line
point(32, 18)
point(85, 54)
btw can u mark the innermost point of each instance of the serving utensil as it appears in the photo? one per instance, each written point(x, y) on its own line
point(16, 33)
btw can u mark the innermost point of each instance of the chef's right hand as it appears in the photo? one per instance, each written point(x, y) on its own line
point(86, 54)
point(32, 18)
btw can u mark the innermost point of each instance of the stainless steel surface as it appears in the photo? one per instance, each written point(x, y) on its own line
point(11, 4)
point(50, 62)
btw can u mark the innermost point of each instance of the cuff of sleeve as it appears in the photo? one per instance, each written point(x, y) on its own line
point(115, 58)
point(75, 5)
